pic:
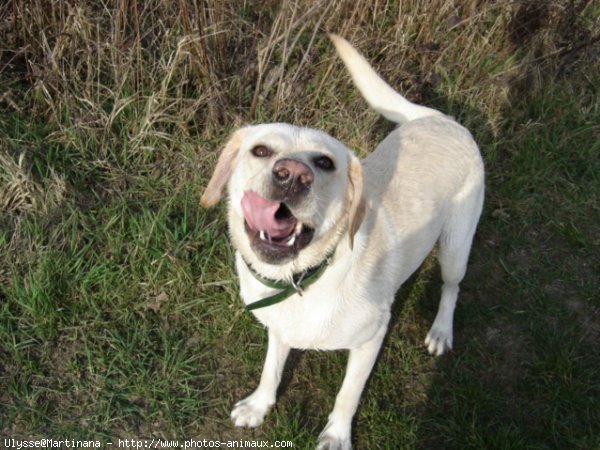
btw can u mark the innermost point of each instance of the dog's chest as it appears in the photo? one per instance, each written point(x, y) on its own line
point(328, 315)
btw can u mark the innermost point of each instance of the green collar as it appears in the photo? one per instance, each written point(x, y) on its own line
point(299, 283)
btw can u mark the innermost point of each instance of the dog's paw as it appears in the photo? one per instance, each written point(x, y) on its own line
point(438, 340)
point(250, 412)
point(334, 438)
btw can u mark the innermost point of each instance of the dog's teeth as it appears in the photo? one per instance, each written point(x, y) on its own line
point(298, 228)
point(262, 235)
point(291, 241)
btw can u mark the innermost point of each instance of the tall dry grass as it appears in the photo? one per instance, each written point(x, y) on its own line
point(120, 82)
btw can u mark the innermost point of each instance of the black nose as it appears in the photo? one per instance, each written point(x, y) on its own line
point(289, 172)
point(291, 179)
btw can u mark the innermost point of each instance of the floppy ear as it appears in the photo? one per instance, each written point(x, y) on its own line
point(214, 190)
point(357, 205)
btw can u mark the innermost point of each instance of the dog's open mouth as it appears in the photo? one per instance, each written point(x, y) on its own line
point(275, 234)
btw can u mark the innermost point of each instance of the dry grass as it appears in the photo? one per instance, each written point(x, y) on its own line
point(119, 81)
point(116, 80)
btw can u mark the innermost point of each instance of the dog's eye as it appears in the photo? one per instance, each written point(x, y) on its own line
point(260, 151)
point(324, 163)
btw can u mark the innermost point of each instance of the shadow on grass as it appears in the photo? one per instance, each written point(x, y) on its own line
point(524, 372)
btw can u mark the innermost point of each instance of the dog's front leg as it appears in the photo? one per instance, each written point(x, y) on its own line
point(337, 433)
point(251, 411)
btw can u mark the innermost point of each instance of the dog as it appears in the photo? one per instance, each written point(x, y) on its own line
point(324, 240)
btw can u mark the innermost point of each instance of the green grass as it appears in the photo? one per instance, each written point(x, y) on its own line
point(119, 312)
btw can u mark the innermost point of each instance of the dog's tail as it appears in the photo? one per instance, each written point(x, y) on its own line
point(377, 92)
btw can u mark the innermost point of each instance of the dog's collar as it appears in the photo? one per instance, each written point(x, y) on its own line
point(299, 283)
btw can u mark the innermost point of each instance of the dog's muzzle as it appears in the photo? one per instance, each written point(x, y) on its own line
point(275, 235)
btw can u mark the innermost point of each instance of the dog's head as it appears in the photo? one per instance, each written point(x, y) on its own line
point(293, 193)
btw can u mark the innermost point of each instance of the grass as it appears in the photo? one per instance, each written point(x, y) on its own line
point(119, 315)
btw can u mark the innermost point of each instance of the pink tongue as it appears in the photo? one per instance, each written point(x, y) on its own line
point(260, 215)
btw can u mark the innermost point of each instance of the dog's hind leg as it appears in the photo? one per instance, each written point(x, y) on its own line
point(251, 411)
point(453, 255)
point(337, 432)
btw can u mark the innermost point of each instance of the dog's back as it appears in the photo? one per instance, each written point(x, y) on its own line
point(426, 181)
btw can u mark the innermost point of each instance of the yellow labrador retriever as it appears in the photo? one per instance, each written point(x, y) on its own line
point(324, 240)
